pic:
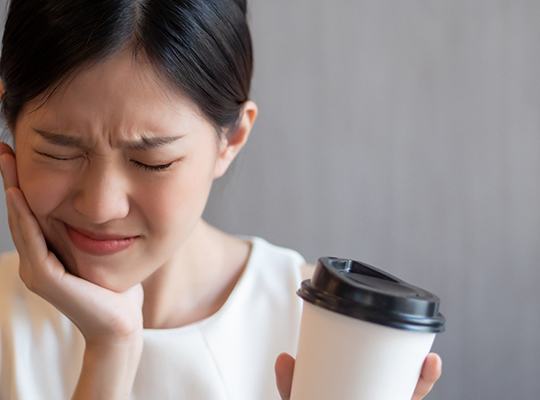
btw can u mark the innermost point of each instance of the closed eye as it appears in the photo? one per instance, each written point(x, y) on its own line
point(57, 157)
point(153, 168)
point(138, 164)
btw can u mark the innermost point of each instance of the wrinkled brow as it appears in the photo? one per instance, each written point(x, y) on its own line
point(144, 143)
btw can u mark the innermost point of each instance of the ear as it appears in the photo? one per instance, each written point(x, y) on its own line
point(230, 146)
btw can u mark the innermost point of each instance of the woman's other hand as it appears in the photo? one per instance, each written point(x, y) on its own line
point(431, 372)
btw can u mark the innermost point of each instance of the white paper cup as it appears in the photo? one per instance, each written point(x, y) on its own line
point(364, 334)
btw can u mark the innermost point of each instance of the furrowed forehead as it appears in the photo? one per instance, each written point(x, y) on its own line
point(70, 140)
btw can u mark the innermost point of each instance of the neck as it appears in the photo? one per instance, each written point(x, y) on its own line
point(197, 280)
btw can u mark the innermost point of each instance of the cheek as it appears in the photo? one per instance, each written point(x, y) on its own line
point(176, 203)
point(44, 190)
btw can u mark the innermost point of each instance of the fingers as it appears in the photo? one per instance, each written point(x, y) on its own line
point(25, 229)
point(9, 169)
point(2, 168)
point(284, 369)
point(29, 236)
point(9, 179)
point(4, 148)
point(12, 219)
point(38, 268)
point(431, 372)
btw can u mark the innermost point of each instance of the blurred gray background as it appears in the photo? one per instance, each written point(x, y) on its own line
point(405, 134)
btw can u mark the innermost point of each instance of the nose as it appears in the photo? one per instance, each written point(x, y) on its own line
point(101, 194)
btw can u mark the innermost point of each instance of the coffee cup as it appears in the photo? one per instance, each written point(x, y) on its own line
point(364, 333)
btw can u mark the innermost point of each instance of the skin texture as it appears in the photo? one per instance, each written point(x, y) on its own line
point(179, 269)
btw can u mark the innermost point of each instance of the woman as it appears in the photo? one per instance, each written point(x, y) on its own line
point(123, 113)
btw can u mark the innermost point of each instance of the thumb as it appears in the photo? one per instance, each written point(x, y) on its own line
point(284, 368)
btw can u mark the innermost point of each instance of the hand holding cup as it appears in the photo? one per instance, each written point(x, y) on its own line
point(364, 335)
point(431, 372)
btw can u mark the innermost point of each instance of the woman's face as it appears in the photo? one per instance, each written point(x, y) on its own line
point(95, 178)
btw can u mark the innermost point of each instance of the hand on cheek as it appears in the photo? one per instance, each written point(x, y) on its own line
point(99, 313)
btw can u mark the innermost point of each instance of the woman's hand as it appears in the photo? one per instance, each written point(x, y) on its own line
point(104, 317)
point(110, 322)
point(431, 372)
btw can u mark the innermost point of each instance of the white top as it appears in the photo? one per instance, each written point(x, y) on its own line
point(229, 355)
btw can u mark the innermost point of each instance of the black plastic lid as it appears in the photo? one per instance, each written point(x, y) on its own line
point(364, 292)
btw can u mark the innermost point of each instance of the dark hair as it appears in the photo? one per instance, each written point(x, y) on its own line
point(202, 47)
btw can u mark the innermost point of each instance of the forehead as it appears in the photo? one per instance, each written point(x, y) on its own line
point(120, 93)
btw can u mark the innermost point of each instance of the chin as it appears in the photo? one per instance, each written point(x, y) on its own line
point(106, 279)
point(104, 275)
point(114, 273)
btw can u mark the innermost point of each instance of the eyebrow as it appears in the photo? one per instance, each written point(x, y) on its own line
point(145, 143)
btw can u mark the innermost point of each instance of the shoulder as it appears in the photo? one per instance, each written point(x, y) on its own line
point(21, 308)
point(282, 258)
point(8, 258)
point(307, 270)
point(9, 274)
point(33, 335)
point(15, 298)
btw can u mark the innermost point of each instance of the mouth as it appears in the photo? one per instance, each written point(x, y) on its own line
point(101, 236)
point(98, 243)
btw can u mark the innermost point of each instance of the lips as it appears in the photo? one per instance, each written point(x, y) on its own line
point(100, 236)
point(98, 244)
